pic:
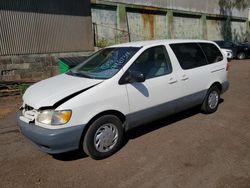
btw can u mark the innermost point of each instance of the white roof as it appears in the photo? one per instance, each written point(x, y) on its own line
point(156, 42)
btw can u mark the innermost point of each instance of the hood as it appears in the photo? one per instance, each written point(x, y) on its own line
point(48, 92)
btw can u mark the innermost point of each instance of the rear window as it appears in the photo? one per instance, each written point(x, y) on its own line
point(227, 45)
point(212, 53)
point(189, 55)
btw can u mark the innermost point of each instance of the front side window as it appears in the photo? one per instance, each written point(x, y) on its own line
point(105, 63)
point(189, 55)
point(212, 53)
point(153, 62)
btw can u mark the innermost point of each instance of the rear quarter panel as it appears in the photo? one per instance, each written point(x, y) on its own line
point(218, 71)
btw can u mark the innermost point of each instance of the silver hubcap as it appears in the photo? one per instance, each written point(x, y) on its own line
point(106, 137)
point(213, 99)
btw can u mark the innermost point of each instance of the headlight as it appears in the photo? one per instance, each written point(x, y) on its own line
point(61, 117)
point(51, 117)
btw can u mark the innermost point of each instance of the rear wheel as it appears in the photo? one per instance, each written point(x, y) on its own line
point(241, 55)
point(104, 137)
point(211, 102)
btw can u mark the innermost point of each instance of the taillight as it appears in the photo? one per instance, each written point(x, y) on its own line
point(227, 67)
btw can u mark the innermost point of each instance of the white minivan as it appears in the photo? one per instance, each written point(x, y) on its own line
point(118, 88)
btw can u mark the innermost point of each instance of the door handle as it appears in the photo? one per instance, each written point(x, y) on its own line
point(184, 77)
point(172, 81)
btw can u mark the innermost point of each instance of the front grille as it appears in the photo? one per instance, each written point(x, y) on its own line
point(29, 112)
point(27, 107)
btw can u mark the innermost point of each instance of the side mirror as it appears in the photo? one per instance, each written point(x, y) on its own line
point(135, 76)
point(132, 77)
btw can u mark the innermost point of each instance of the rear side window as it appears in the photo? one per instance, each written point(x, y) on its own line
point(189, 55)
point(212, 53)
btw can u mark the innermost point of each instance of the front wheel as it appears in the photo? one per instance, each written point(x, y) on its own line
point(211, 101)
point(104, 137)
point(241, 55)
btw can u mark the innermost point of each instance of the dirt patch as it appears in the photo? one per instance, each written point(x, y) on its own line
point(9, 105)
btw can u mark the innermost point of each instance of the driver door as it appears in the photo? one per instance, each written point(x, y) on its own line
point(157, 96)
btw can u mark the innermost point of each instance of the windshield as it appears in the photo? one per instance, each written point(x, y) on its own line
point(105, 63)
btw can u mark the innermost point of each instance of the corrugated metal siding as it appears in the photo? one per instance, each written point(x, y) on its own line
point(45, 26)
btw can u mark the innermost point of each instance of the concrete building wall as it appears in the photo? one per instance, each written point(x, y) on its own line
point(169, 19)
point(32, 67)
point(145, 26)
point(104, 21)
point(214, 29)
point(201, 6)
point(185, 27)
point(27, 68)
point(239, 30)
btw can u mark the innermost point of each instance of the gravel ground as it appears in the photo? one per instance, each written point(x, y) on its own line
point(189, 149)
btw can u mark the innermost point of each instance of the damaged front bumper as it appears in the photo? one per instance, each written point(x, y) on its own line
point(51, 141)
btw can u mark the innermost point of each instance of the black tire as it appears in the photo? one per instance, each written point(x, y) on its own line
point(241, 55)
point(105, 123)
point(207, 106)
